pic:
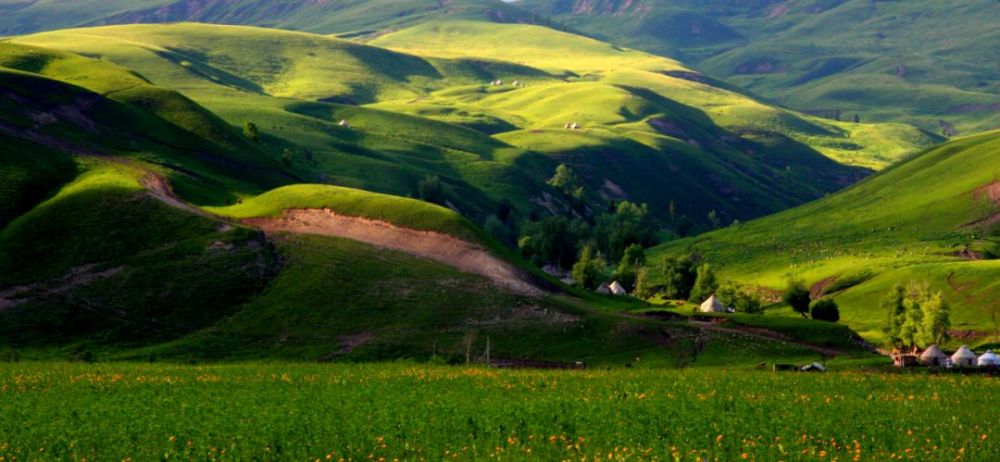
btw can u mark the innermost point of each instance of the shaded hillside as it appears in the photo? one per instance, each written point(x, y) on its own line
point(933, 218)
point(917, 62)
point(653, 131)
point(357, 17)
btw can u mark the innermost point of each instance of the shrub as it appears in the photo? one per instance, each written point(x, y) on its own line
point(826, 310)
point(797, 296)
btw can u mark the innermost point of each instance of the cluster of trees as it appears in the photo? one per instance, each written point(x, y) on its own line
point(588, 244)
point(916, 316)
point(798, 297)
point(690, 278)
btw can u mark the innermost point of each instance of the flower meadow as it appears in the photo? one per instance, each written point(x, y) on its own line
point(387, 412)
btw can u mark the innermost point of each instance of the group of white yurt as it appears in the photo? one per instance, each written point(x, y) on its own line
point(964, 357)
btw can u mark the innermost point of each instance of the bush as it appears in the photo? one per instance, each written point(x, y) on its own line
point(826, 310)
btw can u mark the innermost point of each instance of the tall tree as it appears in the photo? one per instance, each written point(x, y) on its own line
point(705, 285)
point(894, 304)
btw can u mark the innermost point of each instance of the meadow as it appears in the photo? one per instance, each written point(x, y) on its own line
point(403, 411)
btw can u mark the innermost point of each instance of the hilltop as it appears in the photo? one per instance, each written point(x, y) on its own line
point(350, 17)
point(922, 62)
point(933, 218)
point(420, 103)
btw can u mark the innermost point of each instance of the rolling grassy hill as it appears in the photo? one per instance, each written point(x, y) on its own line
point(653, 131)
point(933, 218)
point(357, 17)
point(917, 62)
point(99, 258)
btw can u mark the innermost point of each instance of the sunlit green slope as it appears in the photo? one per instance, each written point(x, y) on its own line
point(933, 218)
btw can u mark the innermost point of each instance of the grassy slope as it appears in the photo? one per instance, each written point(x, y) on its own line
point(275, 79)
point(905, 224)
point(912, 62)
point(334, 16)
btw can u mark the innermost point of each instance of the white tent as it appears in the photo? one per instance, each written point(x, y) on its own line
point(964, 357)
point(933, 356)
point(604, 289)
point(712, 305)
point(617, 289)
point(989, 360)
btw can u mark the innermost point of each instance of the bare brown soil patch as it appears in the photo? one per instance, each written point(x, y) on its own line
point(465, 256)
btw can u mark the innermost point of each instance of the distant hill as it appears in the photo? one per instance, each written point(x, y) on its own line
point(923, 62)
point(356, 17)
point(934, 218)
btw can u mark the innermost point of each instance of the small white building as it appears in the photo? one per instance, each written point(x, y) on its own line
point(989, 359)
point(964, 357)
point(712, 305)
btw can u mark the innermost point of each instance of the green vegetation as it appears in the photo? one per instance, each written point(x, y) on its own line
point(367, 117)
point(74, 411)
point(929, 219)
point(920, 62)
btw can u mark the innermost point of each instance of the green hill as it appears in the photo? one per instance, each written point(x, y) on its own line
point(325, 17)
point(917, 62)
point(653, 131)
point(933, 218)
point(99, 257)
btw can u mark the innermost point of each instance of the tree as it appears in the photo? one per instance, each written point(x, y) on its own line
point(741, 299)
point(642, 284)
point(679, 276)
point(826, 310)
point(628, 267)
point(894, 304)
point(629, 224)
point(937, 320)
point(797, 296)
point(565, 180)
point(705, 285)
point(553, 240)
point(431, 189)
point(713, 218)
point(251, 132)
point(588, 269)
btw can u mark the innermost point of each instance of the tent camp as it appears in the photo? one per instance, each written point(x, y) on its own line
point(989, 360)
point(964, 357)
point(617, 289)
point(933, 357)
point(712, 305)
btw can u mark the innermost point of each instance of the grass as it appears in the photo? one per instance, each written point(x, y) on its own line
point(418, 103)
point(73, 411)
point(905, 224)
point(408, 213)
point(886, 62)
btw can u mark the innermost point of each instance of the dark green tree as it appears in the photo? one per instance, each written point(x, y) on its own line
point(251, 132)
point(705, 285)
point(826, 310)
point(797, 296)
point(588, 269)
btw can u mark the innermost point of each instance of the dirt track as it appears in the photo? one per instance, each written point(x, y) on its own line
point(465, 256)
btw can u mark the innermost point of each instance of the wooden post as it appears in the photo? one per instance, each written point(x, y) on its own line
point(487, 352)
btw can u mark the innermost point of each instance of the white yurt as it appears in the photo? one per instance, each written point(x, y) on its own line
point(964, 357)
point(989, 360)
point(617, 289)
point(712, 305)
point(933, 357)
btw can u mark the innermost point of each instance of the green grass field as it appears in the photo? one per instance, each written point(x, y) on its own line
point(404, 411)
point(908, 223)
